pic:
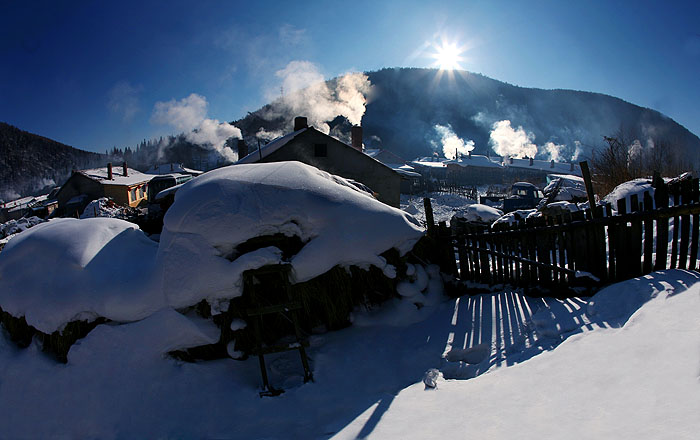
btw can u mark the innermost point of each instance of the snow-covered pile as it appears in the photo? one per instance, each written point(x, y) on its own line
point(70, 269)
point(627, 189)
point(444, 205)
point(222, 209)
point(515, 217)
point(16, 226)
point(102, 207)
point(570, 188)
point(478, 213)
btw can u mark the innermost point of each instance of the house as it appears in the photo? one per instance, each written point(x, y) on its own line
point(127, 187)
point(172, 168)
point(474, 169)
point(535, 171)
point(310, 146)
point(410, 178)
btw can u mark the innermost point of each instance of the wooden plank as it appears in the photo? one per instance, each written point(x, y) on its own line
point(694, 195)
point(429, 219)
point(661, 201)
point(685, 227)
point(635, 241)
point(484, 261)
point(464, 272)
point(648, 235)
point(676, 227)
point(612, 229)
point(622, 254)
point(588, 182)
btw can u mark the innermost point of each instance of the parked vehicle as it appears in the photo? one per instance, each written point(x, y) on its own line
point(523, 195)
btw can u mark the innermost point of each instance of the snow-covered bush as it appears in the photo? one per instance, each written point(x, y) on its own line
point(478, 213)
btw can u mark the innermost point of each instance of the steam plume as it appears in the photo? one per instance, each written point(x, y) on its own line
point(307, 94)
point(451, 143)
point(506, 141)
point(189, 116)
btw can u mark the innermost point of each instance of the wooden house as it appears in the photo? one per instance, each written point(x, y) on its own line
point(310, 146)
point(127, 187)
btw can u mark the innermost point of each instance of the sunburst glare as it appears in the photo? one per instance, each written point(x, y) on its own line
point(448, 56)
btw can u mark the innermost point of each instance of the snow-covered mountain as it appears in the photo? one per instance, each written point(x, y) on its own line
point(413, 112)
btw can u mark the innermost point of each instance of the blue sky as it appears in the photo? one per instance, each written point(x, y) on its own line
point(89, 74)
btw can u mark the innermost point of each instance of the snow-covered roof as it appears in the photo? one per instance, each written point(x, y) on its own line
point(133, 178)
point(475, 160)
point(170, 168)
point(271, 147)
point(543, 165)
point(429, 163)
point(24, 201)
point(221, 209)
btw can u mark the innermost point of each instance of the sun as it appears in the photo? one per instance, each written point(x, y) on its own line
point(448, 56)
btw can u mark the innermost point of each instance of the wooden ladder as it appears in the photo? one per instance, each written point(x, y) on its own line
point(279, 275)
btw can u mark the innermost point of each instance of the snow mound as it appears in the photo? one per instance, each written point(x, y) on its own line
point(102, 207)
point(627, 189)
point(478, 213)
point(515, 217)
point(70, 269)
point(570, 188)
point(16, 226)
point(615, 304)
point(220, 210)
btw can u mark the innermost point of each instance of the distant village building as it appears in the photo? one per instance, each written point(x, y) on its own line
point(410, 178)
point(39, 206)
point(126, 186)
point(172, 168)
point(310, 146)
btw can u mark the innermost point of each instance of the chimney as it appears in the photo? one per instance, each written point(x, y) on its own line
point(551, 165)
point(109, 171)
point(243, 147)
point(300, 122)
point(532, 162)
point(469, 153)
point(356, 136)
point(125, 169)
point(572, 167)
point(510, 159)
point(172, 167)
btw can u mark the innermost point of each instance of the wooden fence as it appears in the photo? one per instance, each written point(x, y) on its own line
point(584, 248)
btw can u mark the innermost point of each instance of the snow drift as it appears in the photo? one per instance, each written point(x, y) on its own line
point(70, 269)
point(218, 211)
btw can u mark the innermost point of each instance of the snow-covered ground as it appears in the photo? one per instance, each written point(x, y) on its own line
point(627, 368)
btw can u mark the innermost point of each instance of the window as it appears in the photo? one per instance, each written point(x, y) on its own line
point(140, 192)
point(133, 194)
point(320, 150)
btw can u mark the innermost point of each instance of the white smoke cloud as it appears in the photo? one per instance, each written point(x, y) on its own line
point(268, 135)
point(555, 152)
point(577, 151)
point(510, 142)
point(305, 93)
point(451, 143)
point(189, 115)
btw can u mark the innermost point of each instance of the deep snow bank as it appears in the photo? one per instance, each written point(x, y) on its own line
point(70, 269)
point(222, 209)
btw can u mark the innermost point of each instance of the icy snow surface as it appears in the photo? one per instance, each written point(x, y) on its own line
point(69, 269)
point(611, 377)
point(219, 210)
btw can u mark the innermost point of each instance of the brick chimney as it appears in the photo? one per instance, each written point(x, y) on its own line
point(109, 171)
point(551, 165)
point(356, 136)
point(125, 169)
point(243, 147)
point(572, 167)
point(532, 161)
point(469, 153)
point(300, 122)
point(510, 159)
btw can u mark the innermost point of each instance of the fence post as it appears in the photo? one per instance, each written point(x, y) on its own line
point(585, 172)
point(429, 219)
